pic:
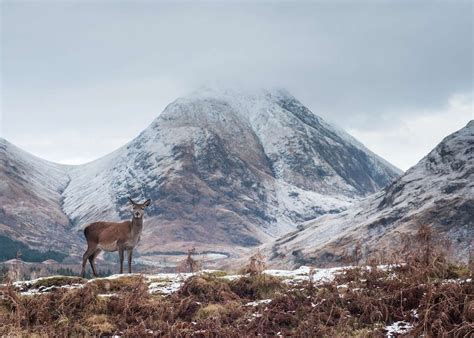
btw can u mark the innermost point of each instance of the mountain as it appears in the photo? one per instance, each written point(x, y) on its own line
point(226, 171)
point(31, 201)
point(438, 191)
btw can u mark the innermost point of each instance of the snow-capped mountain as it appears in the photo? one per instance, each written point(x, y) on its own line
point(226, 170)
point(438, 191)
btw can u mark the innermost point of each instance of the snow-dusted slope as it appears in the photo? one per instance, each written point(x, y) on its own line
point(31, 201)
point(226, 170)
point(438, 191)
point(302, 148)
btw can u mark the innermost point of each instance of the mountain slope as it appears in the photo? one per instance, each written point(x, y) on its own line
point(225, 170)
point(438, 191)
point(31, 200)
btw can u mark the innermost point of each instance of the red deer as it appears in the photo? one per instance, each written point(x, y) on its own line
point(114, 236)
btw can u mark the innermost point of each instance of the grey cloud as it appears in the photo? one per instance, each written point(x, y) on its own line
point(362, 65)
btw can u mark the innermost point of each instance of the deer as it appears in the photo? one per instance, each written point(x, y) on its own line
point(114, 236)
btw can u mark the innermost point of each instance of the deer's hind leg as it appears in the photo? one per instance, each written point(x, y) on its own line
point(90, 250)
point(92, 260)
point(121, 259)
point(130, 251)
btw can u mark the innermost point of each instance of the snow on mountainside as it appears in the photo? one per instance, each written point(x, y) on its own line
point(31, 200)
point(226, 170)
point(438, 191)
point(302, 148)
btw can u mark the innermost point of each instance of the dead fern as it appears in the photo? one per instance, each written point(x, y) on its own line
point(189, 264)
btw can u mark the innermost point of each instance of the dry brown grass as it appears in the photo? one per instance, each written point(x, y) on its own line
point(209, 305)
point(359, 302)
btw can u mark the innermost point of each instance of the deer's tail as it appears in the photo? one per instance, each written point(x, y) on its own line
point(86, 231)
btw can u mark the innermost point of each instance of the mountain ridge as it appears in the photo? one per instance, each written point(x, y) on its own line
point(225, 172)
point(437, 191)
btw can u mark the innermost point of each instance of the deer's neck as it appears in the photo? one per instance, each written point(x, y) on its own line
point(137, 225)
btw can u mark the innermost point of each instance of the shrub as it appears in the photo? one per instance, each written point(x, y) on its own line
point(122, 283)
point(207, 288)
point(259, 286)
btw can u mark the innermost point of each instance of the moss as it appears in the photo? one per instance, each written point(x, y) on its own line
point(223, 312)
point(124, 283)
point(210, 311)
point(458, 271)
point(261, 286)
point(218, 273)
point(57, 281)
point(160, 280)
point(359, 333)
point(207, 288)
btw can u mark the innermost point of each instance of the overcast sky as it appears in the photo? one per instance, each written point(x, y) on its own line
point(80, 79)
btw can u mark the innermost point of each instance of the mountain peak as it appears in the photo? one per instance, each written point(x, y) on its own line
point(226, 169)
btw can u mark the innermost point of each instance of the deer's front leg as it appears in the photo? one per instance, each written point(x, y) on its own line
point(129, 251)
point(121, 260)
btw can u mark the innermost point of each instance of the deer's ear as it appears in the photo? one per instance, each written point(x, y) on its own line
point(147, 202)
point(131, 201)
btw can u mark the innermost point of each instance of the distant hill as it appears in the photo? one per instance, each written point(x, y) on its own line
point(438, 191)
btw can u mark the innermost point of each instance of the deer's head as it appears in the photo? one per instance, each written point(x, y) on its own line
point(138, 209)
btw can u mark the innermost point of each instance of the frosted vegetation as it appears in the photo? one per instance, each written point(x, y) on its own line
point(412, 299)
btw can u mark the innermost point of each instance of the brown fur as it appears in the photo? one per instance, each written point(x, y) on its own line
point(114, 236)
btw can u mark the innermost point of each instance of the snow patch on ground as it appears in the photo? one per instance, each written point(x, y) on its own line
point(304, 273)
point(258, 302)
point(397, 328)
point(167, 283)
